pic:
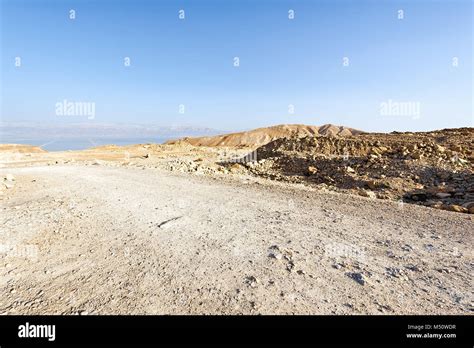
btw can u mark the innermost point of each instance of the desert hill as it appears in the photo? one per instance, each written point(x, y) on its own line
point(433, 169)
point(262, 136)
point(19, 148)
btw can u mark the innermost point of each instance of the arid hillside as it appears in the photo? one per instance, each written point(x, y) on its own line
point(429, 168)
point(262, 136)
point(18, 148)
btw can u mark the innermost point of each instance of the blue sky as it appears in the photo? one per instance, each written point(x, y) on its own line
point(283, 62)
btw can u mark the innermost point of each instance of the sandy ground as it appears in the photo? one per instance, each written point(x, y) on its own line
point(118, 240)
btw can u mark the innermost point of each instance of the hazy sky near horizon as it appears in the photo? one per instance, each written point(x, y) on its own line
point(414, 73)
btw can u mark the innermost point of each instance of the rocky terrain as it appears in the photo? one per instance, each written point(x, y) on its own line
point(306, 223)
point(433, 169)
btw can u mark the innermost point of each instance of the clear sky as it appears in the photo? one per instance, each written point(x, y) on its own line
point(283, 62)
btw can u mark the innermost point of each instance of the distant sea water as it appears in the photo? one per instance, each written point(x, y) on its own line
point(82, 144)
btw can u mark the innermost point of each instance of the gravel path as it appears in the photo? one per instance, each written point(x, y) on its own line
point(107, 240)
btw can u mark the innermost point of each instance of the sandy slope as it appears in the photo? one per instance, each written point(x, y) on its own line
point(127, 240)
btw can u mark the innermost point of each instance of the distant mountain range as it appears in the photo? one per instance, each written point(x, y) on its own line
point(262, 136)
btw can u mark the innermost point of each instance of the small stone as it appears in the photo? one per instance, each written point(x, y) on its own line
point(371, 184)
point(9, 177)
point(443, 195)
point(468, 205)
point(440, 148)
point(418, 196)
point(366, 193)
point(350, 170)
point(311, 170)
point(277, 256)
point(455, 208)
point(252, 281)
point(236, 167)
point(396, 272)
point(275, 252)
point(413, 268)
point(358, 277)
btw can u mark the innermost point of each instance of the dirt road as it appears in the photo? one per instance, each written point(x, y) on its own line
point(104, 240)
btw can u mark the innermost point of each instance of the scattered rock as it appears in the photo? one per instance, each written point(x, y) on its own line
point(419, 196)
point(468, 205)
point(396, 272)
point(358, 277)
point(413, 268)
point(252, 281)
point(236, 168)
point(275, 252)
point(455, 208)
point(311, 171)
point(371, 184)
point(366, 193)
